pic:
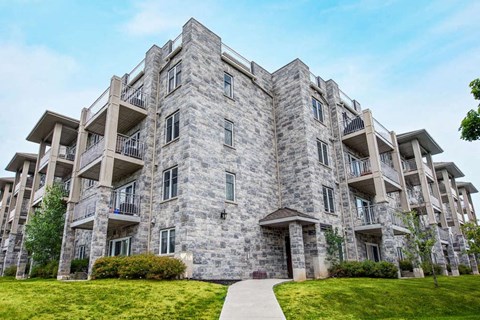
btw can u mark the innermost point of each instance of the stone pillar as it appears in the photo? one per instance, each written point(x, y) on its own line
point(438, 251)
point(473, 264)
point(388, 250)
point(99, 247)
point(397, 164)
point(380, 190)
point(452, 257)
point(423, 182)
point(297, 251)
point(451, 201)
point(320, 263)
point(68, 240)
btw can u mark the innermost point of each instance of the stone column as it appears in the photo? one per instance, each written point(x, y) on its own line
point(438, 251)
point(297, 251)
point(473, 264)
point(320, 263)
point(452, 257)
point(423, 182)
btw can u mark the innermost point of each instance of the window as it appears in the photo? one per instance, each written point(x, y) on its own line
point(167, 241)
point(120, 247)
point(400, 253)
point(328, 201)
point(170, 181)
point(172, 127)
point(228, 85)
point(228, 126)
point(174, 77)
point(322, 148)
point(230, 186)
point(317, 109)
point(81, 252)
point(372, 252)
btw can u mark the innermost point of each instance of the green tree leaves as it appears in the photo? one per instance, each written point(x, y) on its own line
point(470, 125)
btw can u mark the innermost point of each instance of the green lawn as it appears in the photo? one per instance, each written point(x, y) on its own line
point(110, 299)
point(456, 298)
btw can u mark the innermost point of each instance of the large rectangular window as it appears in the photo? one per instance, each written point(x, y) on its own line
point(167, 241)
point(228, 127)
point(230, 186)
point(373, 253)
point(172, 127)
point(322, 149)
point(317, 109)
point(174, 77)
point(81, 252)
point(328, 199)
point(120, 247)
point(228, 85)
point(170, 181)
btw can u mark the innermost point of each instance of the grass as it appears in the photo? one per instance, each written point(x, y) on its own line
point(363, 298)
point(110, 299)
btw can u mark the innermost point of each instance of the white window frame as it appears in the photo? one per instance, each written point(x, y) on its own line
point(230, 92)
point(112, 245)
point(370, 253)
point(81, 252)
point(169, 234)
point(170, 194)
point(329, 195)
point(317, 108)
point(322, 150)
point(225, 132)
point(234, 186)
point(175, 73)
point(175, 117)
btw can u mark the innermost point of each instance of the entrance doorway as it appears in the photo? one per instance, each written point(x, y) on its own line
point(288, 253)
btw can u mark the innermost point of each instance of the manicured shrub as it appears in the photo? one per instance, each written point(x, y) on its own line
point(463, 269)
point(106, 267)
point(143, 266)
point(406, 265)
point(367, 268)
point(10, 271)
point(427, 268)
point(79, 265)
point(49, 270)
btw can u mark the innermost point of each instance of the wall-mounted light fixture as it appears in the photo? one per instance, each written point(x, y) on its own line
point(223, 215)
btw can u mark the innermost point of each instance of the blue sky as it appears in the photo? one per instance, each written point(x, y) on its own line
point(399, 58)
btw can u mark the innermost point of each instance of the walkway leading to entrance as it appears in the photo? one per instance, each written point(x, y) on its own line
point(252, 299)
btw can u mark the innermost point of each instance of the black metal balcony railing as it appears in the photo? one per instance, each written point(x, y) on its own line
point(133, 96)
point(353, 125)
point(125, 203)
point(130, 147)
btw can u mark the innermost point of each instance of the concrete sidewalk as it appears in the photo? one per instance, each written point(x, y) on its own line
point(252, 299)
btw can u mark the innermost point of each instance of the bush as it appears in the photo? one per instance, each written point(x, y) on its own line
point(463, 269)
point(46, 271)
point(79, 265)
point(143, 266)
point(367, 268)
point(406, 265)
point(10, 271)
point(427, 268)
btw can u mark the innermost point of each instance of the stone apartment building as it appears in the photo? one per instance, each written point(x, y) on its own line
point(204, 155)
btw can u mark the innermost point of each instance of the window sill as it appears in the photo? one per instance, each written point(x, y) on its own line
point(229, 146)
point(325, 166)
point(331, 213)
point(171, 92)
point(167, 254)
point(231, 98)
point(168, 200)
point(231, 202)
point(170, 142)
point(321, 122)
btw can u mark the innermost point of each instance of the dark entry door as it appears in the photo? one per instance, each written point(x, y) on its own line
point(288, 253)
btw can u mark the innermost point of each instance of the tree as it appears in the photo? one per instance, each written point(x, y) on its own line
point(470, 125)
point(472, 234)
point(44, 229)
point(420, 241)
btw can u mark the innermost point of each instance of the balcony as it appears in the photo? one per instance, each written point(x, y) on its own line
point(410, 167)
point(236, 60)
point(64, 164)
point(28, 185)
point(444, 235)
point(24, 208)
point(136, 73)
point(354, 134)
point(38, 195)
point(124, 210)
point(349, 103)
point(360, 176)
point(435, 202)
point(371, 218)
point(318, 83)
point(389, 172)
point(90, 160)
point(97, 108)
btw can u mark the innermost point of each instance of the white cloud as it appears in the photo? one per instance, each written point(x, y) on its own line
point(35, 78)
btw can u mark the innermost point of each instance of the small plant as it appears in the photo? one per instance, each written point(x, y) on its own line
point(10, 271)
point(463, 269)
point(334, 245)
point(429, 268)
point(46, 271)
point(79, 265)
point(406, 265)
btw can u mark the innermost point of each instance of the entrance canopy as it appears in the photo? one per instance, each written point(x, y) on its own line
point(284, 216)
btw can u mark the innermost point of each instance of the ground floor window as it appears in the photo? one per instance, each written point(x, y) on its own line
point(167, 241)
point(400, 253)
point(120, 247)
point(81, 252)
point(373, 253)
